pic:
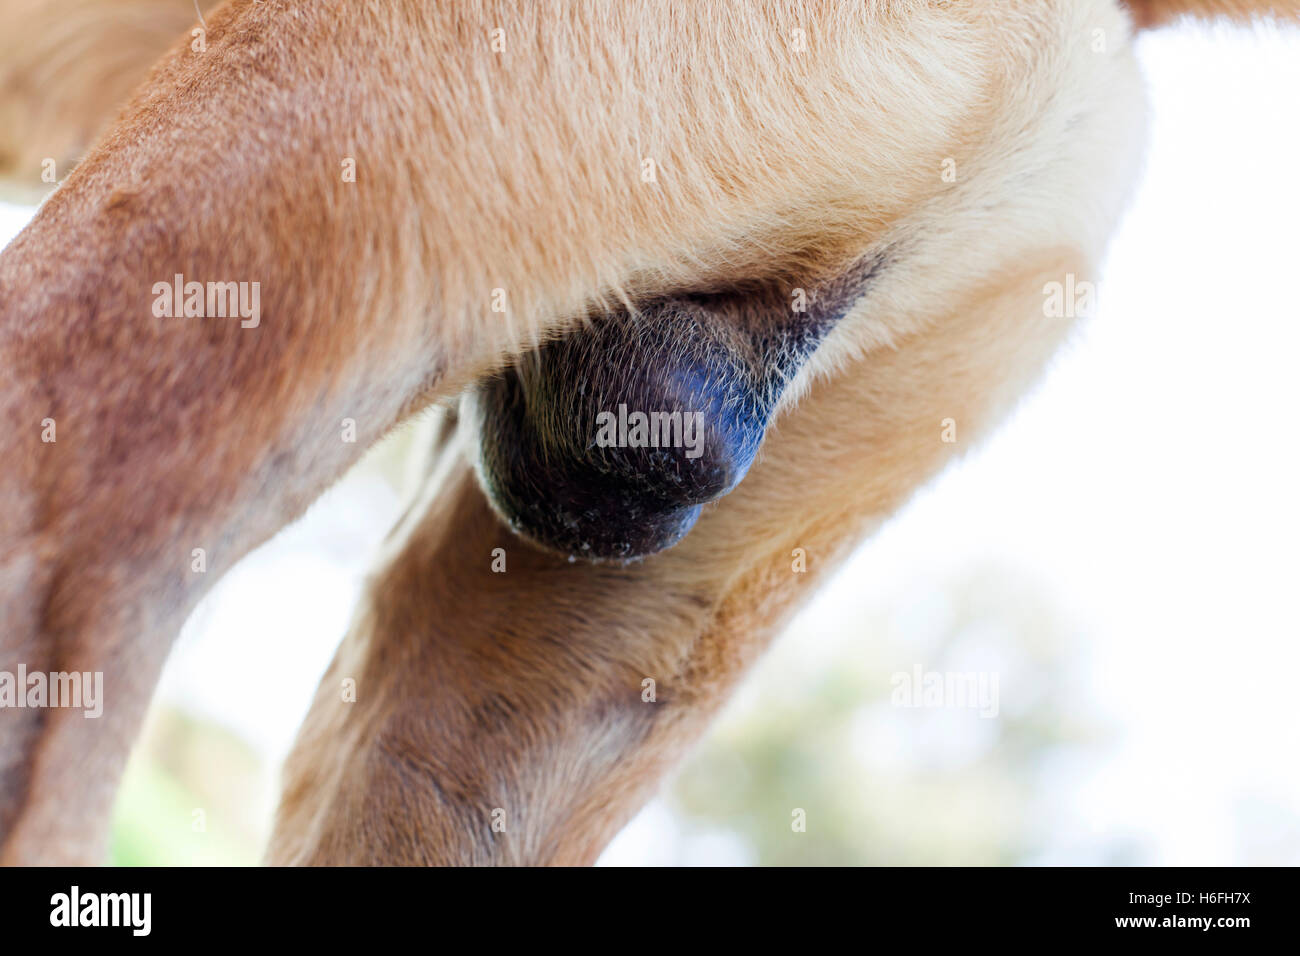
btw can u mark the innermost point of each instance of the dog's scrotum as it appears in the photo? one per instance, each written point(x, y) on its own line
point(607, 444)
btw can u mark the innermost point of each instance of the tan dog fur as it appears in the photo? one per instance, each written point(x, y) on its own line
point(517, 171)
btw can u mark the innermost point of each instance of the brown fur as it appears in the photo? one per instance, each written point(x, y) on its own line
point(519, 171)
point(1150, 13)
point(67, 66)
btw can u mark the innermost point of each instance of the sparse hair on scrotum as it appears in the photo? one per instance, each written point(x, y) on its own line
point(723, 359)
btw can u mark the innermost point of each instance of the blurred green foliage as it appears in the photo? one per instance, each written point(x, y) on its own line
point(192, 795)
point(881, 784)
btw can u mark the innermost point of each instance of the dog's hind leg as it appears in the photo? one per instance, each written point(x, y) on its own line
point(496, 703)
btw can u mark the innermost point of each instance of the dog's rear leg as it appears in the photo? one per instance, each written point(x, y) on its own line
point(494, 703)
point(146, 449)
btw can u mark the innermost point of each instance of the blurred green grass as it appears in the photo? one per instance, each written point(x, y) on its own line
point(193, 794)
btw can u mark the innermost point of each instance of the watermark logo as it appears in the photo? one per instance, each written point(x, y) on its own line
point(968, 690)
point(213, 300)
point(1073, 298)
point(74, 908)
point(75, 689)
point(651, 430)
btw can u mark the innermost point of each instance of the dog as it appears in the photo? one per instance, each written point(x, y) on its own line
point(793, 238)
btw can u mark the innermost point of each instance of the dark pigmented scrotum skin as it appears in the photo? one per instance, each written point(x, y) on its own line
point(728, 356)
